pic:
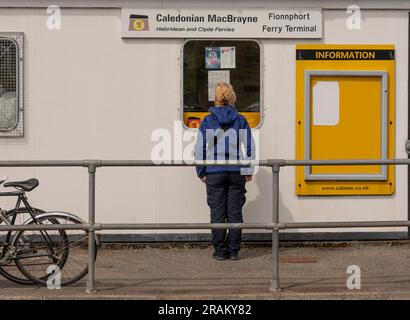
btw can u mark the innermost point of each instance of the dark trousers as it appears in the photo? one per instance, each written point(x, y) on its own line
point(226, 197)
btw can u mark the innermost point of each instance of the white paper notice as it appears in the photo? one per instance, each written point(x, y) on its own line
point(214, 77)
point(325, 103)
point(228, 57)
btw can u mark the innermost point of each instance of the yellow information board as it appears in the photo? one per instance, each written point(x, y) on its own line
point(344, 110)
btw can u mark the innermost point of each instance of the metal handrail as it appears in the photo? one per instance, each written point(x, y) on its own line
point(275, 225)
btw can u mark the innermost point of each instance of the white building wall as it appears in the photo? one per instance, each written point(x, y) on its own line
point(90, 94)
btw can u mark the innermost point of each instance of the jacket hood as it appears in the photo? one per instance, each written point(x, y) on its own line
point(225, 114)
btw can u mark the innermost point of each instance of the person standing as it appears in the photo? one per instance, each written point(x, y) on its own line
point(220, 137)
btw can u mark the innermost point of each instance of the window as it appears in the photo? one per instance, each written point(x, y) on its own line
point(207, 62)
point(11, 84)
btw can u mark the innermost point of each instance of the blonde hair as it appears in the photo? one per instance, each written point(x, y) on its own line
point(224, 94)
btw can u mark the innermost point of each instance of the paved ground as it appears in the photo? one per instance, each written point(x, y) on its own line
point(189, 272)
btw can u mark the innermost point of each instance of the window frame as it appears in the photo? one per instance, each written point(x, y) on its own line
point(17, 130)
point(383, 75)
point(261, 73)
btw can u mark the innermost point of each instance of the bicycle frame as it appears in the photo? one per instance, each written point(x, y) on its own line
point(20, 246)
point(21, 198)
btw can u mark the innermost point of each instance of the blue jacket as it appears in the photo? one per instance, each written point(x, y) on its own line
point(228, 146)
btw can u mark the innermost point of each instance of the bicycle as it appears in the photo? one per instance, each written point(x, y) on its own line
point(26, 256)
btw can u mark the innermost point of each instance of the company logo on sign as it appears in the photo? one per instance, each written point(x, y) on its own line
point(193, 122)
point(138, 23)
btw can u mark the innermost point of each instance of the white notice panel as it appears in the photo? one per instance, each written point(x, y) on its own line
point(325, 102)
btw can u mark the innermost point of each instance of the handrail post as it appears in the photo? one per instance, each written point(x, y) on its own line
point(92, 168)
point(275, 286)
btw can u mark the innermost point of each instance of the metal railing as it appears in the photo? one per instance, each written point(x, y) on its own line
point(275, 225)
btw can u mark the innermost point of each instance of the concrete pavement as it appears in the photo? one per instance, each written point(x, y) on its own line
point(189, 272)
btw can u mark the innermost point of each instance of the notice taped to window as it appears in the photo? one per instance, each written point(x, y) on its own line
point(212, 58)
point(220, 58)
point(214, 77)
point(227, 57)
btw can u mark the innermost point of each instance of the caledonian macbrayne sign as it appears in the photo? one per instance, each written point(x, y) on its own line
point(345, 110)
point(202, 23)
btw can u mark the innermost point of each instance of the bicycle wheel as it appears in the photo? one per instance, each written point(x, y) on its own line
point(66, 249)
point(8, 268)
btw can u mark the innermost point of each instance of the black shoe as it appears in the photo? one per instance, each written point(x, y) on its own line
point(233, 256)
point(219, 256)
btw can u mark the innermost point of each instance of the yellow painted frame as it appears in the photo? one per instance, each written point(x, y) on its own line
point(254, 118)
point(338, 187)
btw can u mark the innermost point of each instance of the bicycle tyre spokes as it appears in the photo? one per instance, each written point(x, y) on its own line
point(8, 266)
point(65, 249)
